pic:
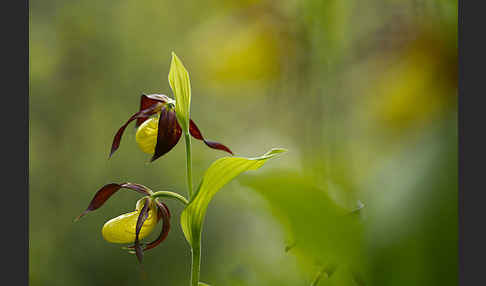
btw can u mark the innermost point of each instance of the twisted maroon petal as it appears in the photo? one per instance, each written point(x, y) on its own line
point(140, 221)
point(163, 210)
point(168, 134)
point(164, 213)
point(165, 226)
point(196, 133)
point(107, 191)
point(145, 113)
point(136, 187)
point(147, 101)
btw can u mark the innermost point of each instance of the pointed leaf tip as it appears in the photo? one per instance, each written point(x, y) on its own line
point(274, 152)
point(181, 87)
point(216, 176)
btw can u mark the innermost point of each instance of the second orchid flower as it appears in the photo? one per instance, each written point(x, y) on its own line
point(158, 129)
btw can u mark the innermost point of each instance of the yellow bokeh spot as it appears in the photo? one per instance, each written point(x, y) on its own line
point(122, 228)
point(240, 52)
point(146, 135)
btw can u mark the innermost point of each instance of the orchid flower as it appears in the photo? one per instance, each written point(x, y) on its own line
point(157, 135)
point(136, 225)
point(160, 123)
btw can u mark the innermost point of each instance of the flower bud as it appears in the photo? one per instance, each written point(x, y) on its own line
point(146, 135)
point(122, 228)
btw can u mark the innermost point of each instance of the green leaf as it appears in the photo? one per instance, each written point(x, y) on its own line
point(318, 229)
point(219, 173)
point(181, 87)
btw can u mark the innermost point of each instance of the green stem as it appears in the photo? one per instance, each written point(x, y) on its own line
point(196, 245)
point(166, 194)
point(328, 270)
point(196, 262)
point(318, 277)
point(187, 138)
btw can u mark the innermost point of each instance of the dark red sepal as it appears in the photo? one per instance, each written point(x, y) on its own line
point(145, 113)
point(196, 133)
point(168, 134)
point(147, 101)
point(140, 221)
point(107, 191)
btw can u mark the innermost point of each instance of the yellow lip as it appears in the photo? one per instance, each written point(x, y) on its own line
point(122, 228)
point(146, 135)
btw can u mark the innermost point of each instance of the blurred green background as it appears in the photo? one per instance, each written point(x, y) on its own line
point(362, 93)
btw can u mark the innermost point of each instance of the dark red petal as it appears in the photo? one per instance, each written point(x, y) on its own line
point(107, 191)
point(165, 226)
point(145, 113)
point(196, 133)
point(136, 187)
point(217, 146)
point(165, 210)
point(168, 134)
point(140, 221)
point(148, 100)
point(165, 215)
